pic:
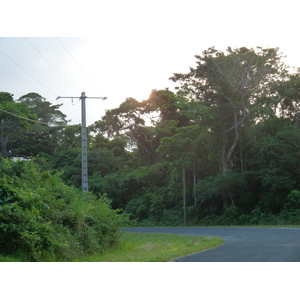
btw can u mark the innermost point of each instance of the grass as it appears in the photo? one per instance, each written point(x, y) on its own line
point(156, 247)
point(146, 247)
point(9, 259)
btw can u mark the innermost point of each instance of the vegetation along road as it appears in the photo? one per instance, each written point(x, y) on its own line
point(242, 244)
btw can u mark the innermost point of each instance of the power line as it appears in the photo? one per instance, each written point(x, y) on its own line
point(51, 65)
point(24, 118)
point(27, 72)
point(79, 66)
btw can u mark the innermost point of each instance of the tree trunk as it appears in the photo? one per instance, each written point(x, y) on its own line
point(184, 195)
point(194, 182)
point(3, 142)
point(225, 202)
point(194, 189)
point(226, 157)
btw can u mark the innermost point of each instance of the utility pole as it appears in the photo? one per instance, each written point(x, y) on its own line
point(184, 195)
point(84, 160)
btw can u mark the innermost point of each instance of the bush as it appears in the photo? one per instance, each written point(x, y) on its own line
point(172, 217)
point(43, 219)
point(230, 216)
point(137, 209)
point(293, 201)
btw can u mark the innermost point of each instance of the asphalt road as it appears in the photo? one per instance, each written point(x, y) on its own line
point(241, 244)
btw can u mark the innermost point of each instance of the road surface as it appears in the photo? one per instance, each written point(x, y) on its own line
point(241, 244)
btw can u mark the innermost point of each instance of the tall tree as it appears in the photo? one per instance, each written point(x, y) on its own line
point(13, 123)
point(45, 135)
point(144, 123)
point(45, 111)
point(232, 90)
point(287, 97)
point(273, 161)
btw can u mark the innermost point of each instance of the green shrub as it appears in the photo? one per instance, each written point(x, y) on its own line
point(230, 216)
point(293, 200)
point(43, 219)
point(137, 209)
point(172, 217)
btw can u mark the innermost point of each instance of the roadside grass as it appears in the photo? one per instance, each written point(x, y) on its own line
point(156, 247)
point(146, 247)
point(9, 259)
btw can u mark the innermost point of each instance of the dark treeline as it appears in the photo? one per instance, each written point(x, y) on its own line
point(223, 149)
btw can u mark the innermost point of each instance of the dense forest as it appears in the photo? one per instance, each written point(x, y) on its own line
point(222, 149)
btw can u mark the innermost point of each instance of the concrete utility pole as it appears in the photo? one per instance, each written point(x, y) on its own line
point(84, 160)
point(184, 195)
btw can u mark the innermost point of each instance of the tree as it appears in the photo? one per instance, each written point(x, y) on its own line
point(144, 123)
point(44, 135)
point(232, 90)
point(29, 126)
point(70, 137)
point(45, 111)
point(287, 97)
point(273, 161)
point(126, 121)
point(188, 152)
point(13, 123)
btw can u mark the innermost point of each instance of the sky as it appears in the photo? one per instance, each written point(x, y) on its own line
point(120, 49)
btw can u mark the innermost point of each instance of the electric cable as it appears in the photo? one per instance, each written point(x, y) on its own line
point(31, 120)
point(79, 65)
point(52, 65)
point(27, 72)
point(43, 84)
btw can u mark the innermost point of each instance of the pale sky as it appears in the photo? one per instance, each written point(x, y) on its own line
point(127, 48)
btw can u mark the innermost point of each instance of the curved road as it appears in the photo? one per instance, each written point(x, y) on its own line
point(241, 244)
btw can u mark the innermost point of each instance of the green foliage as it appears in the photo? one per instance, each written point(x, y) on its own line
point(44, 219)
point(45, 111)
point(12, 128)
point(20, 137)
point(225, 185)
point(293, 200)
point(232, 126)
point(137, 208)
point(272, 155)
